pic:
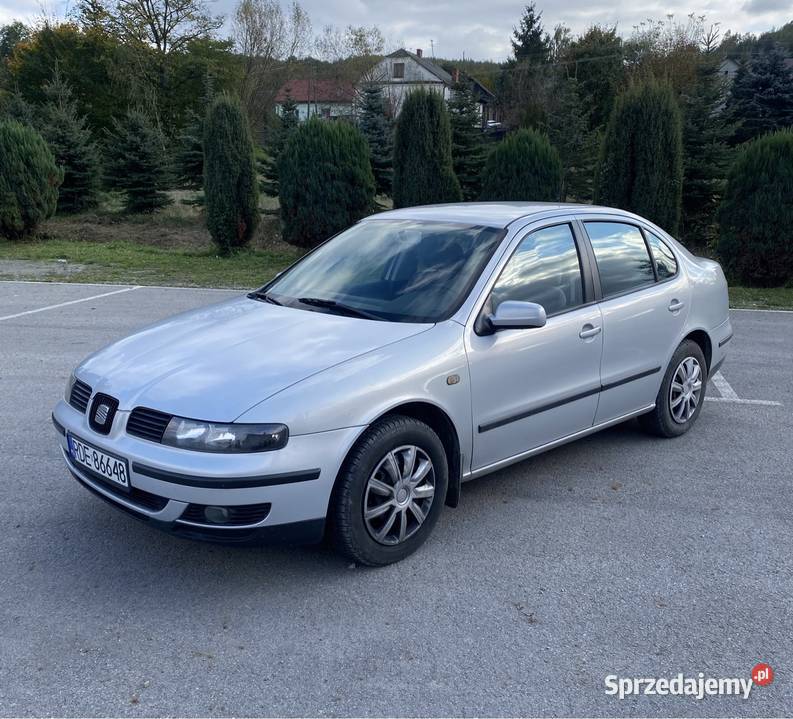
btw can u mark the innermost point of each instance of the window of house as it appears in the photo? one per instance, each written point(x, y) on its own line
point(399, 70)
point(665, 262)
point(544, 269)
point(622, 258)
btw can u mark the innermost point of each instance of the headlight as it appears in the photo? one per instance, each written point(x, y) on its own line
point(67, 395)
point(212, 437)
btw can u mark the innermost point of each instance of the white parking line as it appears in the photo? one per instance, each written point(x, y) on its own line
point(70, 302)
point(723, 386)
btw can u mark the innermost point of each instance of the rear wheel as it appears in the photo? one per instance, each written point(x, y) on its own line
point(682, 393)
point(390, 492)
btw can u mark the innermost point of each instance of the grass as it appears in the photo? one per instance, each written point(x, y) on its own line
point(170, 247)
point(765, 298)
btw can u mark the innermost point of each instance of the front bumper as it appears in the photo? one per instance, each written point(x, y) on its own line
point(289, 489)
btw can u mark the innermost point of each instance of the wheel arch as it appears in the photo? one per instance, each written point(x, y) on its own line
point(702, 338)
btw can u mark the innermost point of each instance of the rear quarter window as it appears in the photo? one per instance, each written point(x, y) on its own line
point(665, 262)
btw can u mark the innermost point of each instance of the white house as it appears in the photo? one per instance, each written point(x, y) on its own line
point(328, 99)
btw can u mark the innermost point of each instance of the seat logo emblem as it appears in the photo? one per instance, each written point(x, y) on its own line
point(100, 416)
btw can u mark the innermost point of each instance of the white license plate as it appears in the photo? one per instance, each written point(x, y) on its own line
point(110, 468)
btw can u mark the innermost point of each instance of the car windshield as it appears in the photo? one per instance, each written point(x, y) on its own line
point(400, 271)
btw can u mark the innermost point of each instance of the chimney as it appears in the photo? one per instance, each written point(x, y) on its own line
point(419, 52)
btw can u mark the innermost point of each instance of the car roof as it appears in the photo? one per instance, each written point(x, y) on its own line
point(490, 214)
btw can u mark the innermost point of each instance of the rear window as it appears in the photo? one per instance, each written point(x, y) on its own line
point(665, 262)
point(622, 258)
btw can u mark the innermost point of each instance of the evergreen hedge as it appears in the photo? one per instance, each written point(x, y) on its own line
point(29, 180)
point(230, 184)
point(423, 172)
point(641, 159)
point(326, 181)
point(525, 166)
point(756, 215)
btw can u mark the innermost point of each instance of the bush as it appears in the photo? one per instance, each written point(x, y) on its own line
point(230, 184)
point(29, 180)
point(326, 181)
point(641, 159)
point(755, 240)
point(523, 167)
point(136, 162)
point(70, 140)
point(423, 171)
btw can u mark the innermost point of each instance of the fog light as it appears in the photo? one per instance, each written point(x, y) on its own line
point(217, 515)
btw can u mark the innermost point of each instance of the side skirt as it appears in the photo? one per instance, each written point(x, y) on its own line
point(495, 466)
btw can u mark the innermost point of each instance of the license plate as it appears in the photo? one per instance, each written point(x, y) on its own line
point(110, 468)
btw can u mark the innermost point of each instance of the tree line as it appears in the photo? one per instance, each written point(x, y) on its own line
point(646, 123)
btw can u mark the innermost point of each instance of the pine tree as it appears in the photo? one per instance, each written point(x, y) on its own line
point(230, 187)
point(423, 171)
point(326, 181)
point(755, 244)
point(377, 129)
point(284, 126)
point(189, 155)
point(706, 153)
point(641, 158)
point(136, 163)
point(29, 180)
point(70, 140)
point(567, 125)
point(468, 140)
point(530, 43)
point(761, 97)
point(523, 167)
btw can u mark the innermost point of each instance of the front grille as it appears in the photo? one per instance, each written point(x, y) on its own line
point(152, 502)
point(79, 396)
point(238, 515)
point(147, 423)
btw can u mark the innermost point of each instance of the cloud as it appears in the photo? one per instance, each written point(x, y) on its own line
point(766, 6)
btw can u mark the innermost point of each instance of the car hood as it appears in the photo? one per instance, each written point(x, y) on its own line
point(216, 362)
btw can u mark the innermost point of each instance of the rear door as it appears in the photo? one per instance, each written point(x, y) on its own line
point(533, 386)
point(645, 303)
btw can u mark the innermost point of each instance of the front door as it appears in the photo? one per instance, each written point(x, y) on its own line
point(533, 386)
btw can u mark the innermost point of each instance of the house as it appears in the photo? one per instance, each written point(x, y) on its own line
point(728, 69)
point(329, 99)
point(402, 72)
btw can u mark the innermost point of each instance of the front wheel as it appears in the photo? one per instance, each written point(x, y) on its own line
point(682, 393)
point(390, 492)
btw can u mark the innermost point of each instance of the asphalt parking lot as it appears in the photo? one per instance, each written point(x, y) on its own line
point(619, 554)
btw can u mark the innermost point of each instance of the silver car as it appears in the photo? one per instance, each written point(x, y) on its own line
point(354, 393)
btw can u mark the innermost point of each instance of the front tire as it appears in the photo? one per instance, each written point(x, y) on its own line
point(682, 393)
point(390, 492)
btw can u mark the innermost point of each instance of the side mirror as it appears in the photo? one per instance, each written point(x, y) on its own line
point(515, 315)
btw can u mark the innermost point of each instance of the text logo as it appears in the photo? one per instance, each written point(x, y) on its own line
point(762, 674)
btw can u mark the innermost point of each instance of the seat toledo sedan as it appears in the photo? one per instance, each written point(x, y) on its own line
point(355, 392)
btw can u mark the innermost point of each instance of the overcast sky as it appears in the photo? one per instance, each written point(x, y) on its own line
point(481, 29)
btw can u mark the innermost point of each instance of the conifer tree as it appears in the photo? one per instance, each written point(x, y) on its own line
point(377, 129)
point(468, 140)
point(284, 126)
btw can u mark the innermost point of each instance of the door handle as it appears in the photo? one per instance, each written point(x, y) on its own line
point(676, 305)
point(588, 331)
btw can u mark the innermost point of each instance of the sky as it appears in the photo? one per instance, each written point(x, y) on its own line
point(481, 29)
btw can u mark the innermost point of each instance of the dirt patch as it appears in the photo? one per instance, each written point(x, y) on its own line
point(38, 269)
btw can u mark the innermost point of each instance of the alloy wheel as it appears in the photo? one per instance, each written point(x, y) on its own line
point(685, 391)
point(399, 494)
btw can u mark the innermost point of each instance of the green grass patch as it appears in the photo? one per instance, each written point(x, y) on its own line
point(127, 262)
point(762, 298)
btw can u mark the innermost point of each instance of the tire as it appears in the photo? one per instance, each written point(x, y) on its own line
point(359, 488)
point(671, 417)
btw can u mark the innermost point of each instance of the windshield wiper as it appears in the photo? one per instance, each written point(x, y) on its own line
point(264, 297)
point(339, 307)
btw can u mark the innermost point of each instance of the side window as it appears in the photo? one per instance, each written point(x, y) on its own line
point(544, 269)
point(665, 262)
point(622, 258)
